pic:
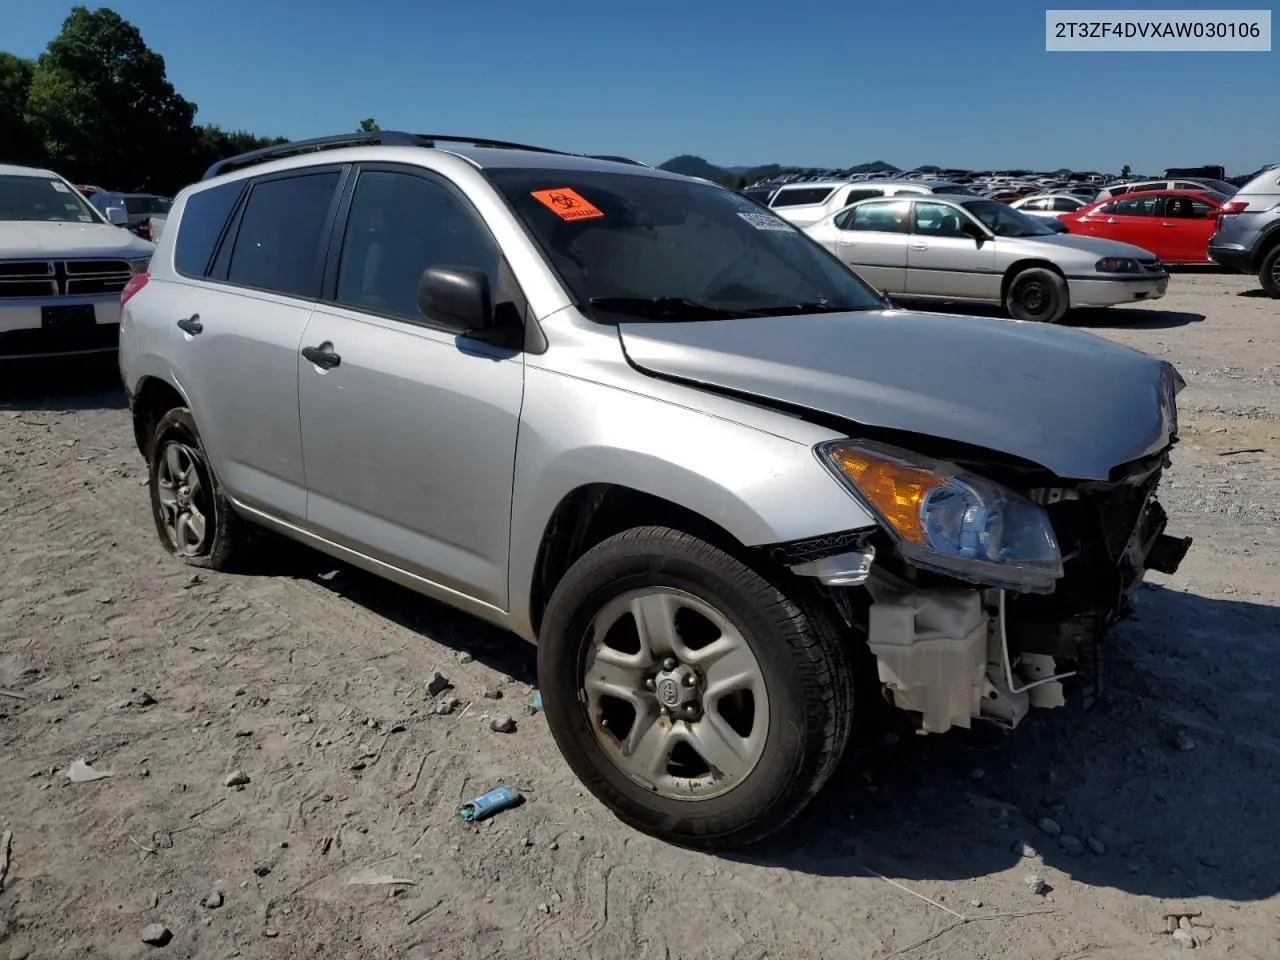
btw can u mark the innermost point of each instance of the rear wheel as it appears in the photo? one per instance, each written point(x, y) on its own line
point(1037, 294)
point(1269, 272)
point(195, 521)
point(693, 697)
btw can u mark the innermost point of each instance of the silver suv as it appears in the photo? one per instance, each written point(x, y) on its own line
point(1248, 235)
point(643, 422)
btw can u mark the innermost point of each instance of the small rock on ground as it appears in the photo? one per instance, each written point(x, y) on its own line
point(447, 706)
point(1184, 938)
point(1183, 742)
point(1049, 826)
point(1097, 846)
point(156, 934)
point(1071, 845)
point(491, 692)
point(502, 723)
point(1036, 884)
point(213, 901)
point(237, 778)
point(437, 685)
point(1024, 849)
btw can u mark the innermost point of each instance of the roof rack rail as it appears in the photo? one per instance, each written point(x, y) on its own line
point(606, 156)
point(384, 138)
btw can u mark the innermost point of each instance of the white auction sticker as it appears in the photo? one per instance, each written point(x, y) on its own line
point(60, 187)
point(762, 221)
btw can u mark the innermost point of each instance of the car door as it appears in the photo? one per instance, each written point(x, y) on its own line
point(944, 259)
point(236, 347)
point(1187, 222)
point(1130, 219)
point(872, 239)
point(409, 440)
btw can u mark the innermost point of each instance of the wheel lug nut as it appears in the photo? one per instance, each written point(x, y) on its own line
point(649, 684)
point(690, 680)
point(669, 663)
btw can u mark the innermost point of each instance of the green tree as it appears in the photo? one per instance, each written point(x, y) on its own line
point(368, 125)
point(104, 109)
point(17, 143)
point(1124, 171)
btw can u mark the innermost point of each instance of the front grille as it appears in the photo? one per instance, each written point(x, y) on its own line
point(20, 343)
point(45, 279)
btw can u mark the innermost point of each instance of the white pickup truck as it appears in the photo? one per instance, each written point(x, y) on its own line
point(62, 267)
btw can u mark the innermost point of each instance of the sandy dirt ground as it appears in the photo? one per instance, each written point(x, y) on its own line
point(309, 679)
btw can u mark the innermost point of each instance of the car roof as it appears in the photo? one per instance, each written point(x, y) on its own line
point(12, 170)
point(1161, 193)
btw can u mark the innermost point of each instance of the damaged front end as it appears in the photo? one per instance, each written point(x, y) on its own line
point(983, 599)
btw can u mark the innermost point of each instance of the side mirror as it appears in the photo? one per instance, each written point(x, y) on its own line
point(117, 216)
point(1056, 225)
point(971, 229)
point(459, 297)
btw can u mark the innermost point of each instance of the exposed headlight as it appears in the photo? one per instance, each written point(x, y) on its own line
point(1117, 265)
point(948, 520)
point(140, 266)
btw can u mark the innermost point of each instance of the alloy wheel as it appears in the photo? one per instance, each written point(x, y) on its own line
point(183, 499)
point(675, 696)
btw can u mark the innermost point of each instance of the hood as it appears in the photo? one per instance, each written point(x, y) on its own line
point(28, 240)
point(1069, 401)
point(1096, 246)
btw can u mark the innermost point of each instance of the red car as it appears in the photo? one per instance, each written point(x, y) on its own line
point(1175, 225)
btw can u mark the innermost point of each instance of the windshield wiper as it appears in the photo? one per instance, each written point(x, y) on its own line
point(819, 306)
point(665, 308)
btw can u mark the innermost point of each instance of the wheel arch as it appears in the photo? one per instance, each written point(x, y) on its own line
point(1269, 240)
point(152, 398)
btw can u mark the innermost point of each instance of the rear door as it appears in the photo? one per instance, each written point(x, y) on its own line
point(410, 438)
point(945, 261)
point(1130, 219)
point(236, 352)
point(872, 239)
point(1187, 222)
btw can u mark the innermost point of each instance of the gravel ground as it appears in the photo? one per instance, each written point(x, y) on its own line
point(309, 681)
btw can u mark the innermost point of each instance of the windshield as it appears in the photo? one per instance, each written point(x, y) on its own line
point(137, 206)
point(632, 242)
point(1004, 221)
point(43, 199)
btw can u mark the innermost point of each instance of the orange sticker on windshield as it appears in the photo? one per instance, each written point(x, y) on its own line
point(567, 204)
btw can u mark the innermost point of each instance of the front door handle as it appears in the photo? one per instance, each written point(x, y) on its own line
point(919, 246)
point(191, 324)
point(1168, 224)
point(322, 356)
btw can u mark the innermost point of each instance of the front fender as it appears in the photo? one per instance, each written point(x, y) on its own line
point(759, 486)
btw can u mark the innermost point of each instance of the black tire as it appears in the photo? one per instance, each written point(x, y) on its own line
point(1269, 273)
point(226, 532)
point(1037, 294)
point(802, 660)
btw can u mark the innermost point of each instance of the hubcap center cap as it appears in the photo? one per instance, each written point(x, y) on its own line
point(677, 688)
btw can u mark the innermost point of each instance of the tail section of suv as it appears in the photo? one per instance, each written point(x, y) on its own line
point(1248, 235)
point(62, 268)
point(645, 423)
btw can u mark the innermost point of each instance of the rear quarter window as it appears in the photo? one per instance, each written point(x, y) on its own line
point(203, 220)
point(801, 197)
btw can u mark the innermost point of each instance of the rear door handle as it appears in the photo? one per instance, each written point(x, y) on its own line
point(1168, 224)
point(191, 324)
point(322, 356)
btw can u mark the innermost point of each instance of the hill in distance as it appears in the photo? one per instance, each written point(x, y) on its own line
point(691, 166)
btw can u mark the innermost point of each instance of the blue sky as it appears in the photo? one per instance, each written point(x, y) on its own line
point(802, 82)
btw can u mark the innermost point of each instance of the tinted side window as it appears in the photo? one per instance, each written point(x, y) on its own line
point(278, 245)
point(796, 198)
point(203, 219)
point(938, 220)
point(1035, 205)
point(880, 217)
point(400, 225)
point(1136, 207)
point(1065, 205)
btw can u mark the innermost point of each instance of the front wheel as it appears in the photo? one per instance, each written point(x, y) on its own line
point(693, 697)
point(1269, 273)
point(1037, 294)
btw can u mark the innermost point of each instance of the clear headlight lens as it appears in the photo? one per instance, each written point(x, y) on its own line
point(1117, 265)
point(140, 266)
point(948, 520)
